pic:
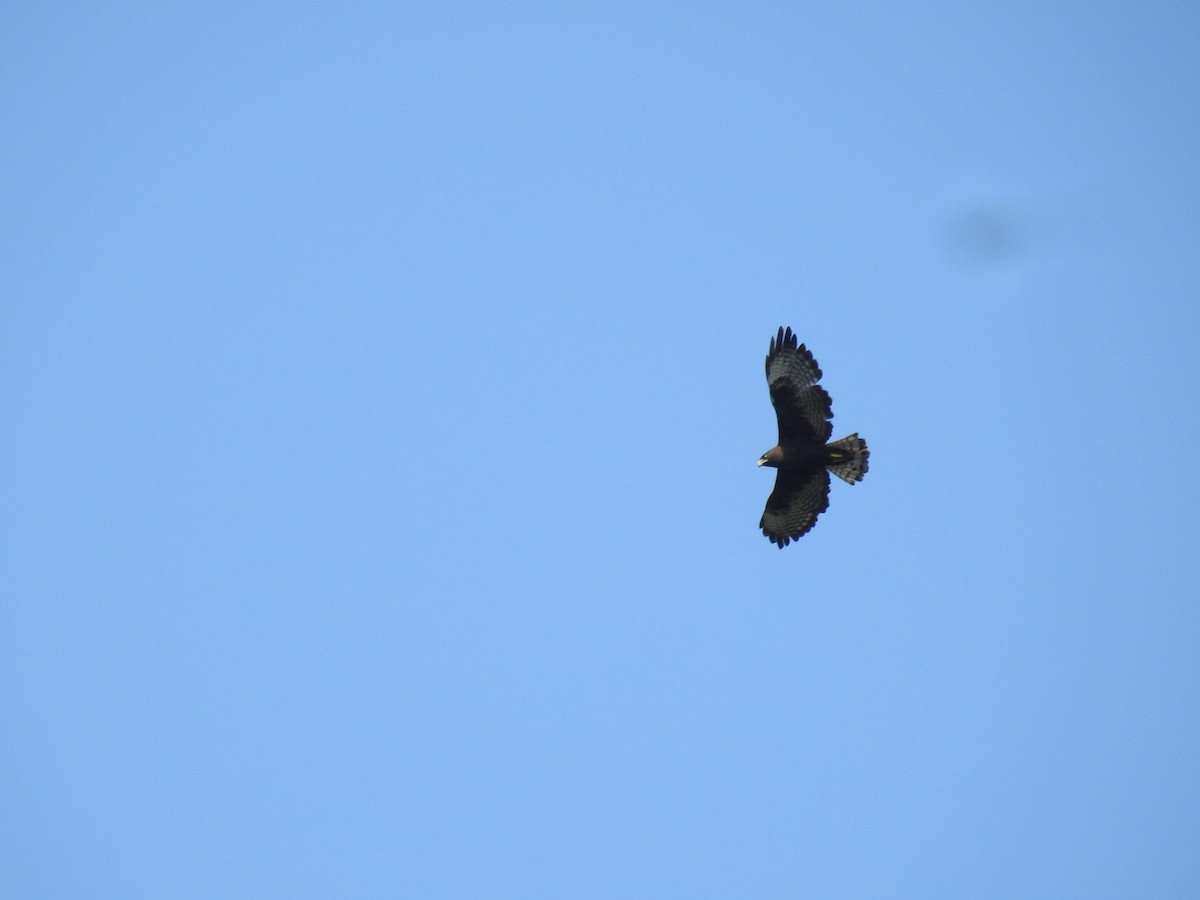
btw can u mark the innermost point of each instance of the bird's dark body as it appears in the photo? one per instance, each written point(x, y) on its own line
point(799, 457)
point(803, 457)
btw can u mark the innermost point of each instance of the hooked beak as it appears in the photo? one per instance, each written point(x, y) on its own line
point(762, 460)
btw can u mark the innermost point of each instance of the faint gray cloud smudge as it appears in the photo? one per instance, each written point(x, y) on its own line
point(1021, 226)
point(984, 235)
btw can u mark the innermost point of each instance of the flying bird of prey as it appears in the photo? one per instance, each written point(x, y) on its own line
point(803, 459)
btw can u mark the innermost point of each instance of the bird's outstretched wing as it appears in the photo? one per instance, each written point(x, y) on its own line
point(801, 405)
point(794, 505)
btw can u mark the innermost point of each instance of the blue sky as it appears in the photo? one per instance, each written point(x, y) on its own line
point(382, 386)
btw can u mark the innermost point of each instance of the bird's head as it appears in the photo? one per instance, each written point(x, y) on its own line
point(771, 458)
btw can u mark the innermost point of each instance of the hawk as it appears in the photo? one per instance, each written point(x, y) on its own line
point(803, 459)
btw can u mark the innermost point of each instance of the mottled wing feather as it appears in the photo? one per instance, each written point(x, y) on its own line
point(802, 406)
point(794, 505)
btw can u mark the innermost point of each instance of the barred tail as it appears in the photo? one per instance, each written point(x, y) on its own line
point(848, 458)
